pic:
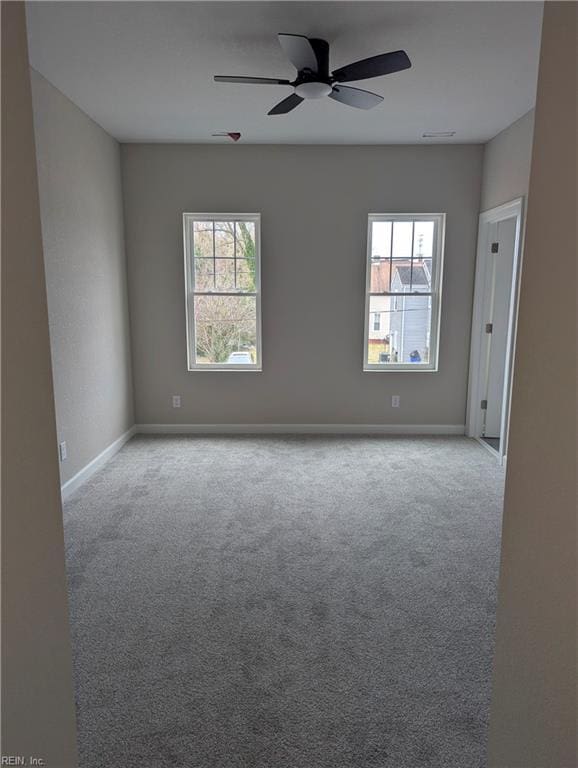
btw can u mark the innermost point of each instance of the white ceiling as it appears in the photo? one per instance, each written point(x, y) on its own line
point(143, 70)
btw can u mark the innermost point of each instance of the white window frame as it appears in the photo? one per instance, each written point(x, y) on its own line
point(190, 292)
point(435, 294)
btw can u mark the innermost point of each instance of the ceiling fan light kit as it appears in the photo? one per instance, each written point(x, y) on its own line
point(310, 57)
point(313, 90)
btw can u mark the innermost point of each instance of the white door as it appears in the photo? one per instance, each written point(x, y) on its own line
point(499, 294)
point(498, 265)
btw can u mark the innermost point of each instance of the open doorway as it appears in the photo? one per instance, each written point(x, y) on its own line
point(493, 325)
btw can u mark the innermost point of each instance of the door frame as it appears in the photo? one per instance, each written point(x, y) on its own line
point(479, 339)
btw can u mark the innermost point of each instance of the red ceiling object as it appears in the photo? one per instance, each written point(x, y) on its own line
point(234, 135)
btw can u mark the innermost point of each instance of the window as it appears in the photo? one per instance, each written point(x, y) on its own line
point(223, 297)
point(404, 278)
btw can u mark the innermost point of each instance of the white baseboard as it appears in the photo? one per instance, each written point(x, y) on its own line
point(82, 476)
point(301, 429)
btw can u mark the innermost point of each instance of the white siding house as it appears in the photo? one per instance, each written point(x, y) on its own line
point(410, 315)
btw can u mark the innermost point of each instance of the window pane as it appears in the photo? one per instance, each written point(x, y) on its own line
point(203, 239)
point(380, 272)
point(224, 239)
point(401, 242)
point(407, 277)
point(225, 269)
point(423, 240)
point(420, 276)
point(245, 239)
point(226, 329)
point(422, 255)
point(204, 276)
point(378, 329)
point(409, 329)
point(245, 275)
point(403, 335)
point(380, 239)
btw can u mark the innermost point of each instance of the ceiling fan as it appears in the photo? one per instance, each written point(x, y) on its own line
point(310, 56)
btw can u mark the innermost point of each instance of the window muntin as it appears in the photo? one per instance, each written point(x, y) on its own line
point(223, 297)
point(404, 276)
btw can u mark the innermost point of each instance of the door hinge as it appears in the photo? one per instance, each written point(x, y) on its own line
point(495, 247)
point(484, 405)
point(489, 327)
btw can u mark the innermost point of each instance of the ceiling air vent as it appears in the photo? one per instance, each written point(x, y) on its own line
point(438, 134)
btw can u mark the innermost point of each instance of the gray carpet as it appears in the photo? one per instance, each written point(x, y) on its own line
point(285, 602)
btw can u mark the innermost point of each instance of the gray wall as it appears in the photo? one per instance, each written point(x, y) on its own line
point(533, 720)
point(82, 230)
point(37, 703)
point(507, 159)
point(314, 203)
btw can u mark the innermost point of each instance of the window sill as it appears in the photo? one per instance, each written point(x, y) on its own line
point(401, 368)
point(226, 368)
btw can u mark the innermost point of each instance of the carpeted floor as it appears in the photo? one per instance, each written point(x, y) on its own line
point(285, 602)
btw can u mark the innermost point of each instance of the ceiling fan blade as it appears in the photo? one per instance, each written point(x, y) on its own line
point(251, 80)
point(286, 105)
point(384, 64)
point(355, 97)
point(299, 51)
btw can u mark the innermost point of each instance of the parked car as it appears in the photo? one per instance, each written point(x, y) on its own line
point(240, 358)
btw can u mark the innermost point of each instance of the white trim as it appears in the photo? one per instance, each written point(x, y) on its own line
point(487, 446)
point(188, 219)
point(439, 220)
point(512, 210)
point(496, 454)
point(301, 429)
point(93, 466)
